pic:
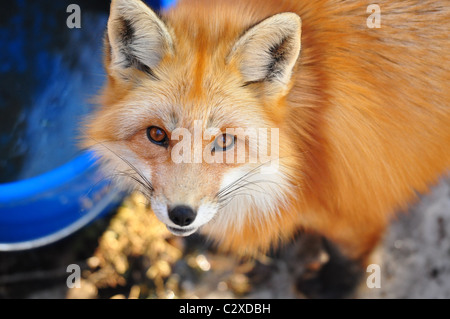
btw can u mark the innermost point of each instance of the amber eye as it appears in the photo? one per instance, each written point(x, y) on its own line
point(224, 142)
point(157, 136)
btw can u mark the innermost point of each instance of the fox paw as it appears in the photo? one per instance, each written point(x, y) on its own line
point(331, 275)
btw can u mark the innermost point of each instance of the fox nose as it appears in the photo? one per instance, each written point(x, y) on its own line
point(182, 215)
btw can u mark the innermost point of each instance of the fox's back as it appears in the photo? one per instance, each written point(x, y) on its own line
point(369, 105)
point(362, 109)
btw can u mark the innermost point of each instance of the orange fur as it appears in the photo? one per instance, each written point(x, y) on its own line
point(365, 124)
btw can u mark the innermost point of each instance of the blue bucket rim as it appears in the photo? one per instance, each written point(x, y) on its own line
point(104, 203)
point(30, 187)
point(33, 186)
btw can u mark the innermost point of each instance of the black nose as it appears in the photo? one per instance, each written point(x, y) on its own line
point(182, 215)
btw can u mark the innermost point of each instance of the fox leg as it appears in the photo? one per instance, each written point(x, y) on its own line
point(347, 254)
point(357, 243)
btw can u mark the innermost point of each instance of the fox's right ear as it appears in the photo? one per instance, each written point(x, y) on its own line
point(136, 39)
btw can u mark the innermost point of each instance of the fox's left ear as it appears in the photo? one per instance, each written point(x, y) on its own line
point(268, 51)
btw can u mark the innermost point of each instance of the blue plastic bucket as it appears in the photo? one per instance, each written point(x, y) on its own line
point(42, 209)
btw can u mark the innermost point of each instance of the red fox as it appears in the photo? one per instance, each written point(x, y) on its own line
point(361, 115)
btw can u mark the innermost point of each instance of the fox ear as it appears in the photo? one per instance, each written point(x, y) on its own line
point(268, 51)
point(136, 37)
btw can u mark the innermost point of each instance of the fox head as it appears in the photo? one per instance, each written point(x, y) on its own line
point(190, 101)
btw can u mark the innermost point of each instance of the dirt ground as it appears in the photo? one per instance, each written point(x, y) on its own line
point(132, 255)
point(415, 255)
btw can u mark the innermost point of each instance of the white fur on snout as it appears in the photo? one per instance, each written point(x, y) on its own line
point(252, 196)
point(159, 207)
point(205, 213)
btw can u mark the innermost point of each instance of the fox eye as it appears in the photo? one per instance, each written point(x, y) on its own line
point(224, 142)
point(157, 136)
